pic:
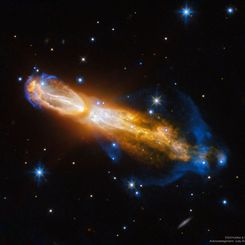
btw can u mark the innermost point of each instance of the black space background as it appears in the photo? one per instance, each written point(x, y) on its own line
point(196, 60)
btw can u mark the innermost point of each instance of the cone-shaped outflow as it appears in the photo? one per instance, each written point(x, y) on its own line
point(48, 92)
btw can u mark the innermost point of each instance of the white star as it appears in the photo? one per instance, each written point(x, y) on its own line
point(156, 100)
point(83, 59)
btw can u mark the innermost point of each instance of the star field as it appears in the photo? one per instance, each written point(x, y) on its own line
point(62, 185)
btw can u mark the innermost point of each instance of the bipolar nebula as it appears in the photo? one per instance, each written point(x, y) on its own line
point(173, 136)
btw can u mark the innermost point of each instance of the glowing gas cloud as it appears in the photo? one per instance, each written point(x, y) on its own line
point(142, 136)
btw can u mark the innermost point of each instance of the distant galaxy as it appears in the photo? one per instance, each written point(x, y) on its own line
point(184, 223)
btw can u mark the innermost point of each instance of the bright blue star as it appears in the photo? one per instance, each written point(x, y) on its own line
point(230, 10)
point(131, 185)
point(222, 160)
point(137, 193)
point(204, 162)
point(224, 202)
point(186, 11)
point(20, 79)
point(156, 100)
point(39, 172)
point(150, 111)
point(80, 79)
point(114, 144)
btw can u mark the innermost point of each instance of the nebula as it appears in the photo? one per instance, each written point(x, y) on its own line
point(150, 140)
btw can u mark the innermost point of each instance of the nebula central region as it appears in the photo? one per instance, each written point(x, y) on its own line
point(153, 141)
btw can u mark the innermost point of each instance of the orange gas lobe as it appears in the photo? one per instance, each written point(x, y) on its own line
point(149, 140)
